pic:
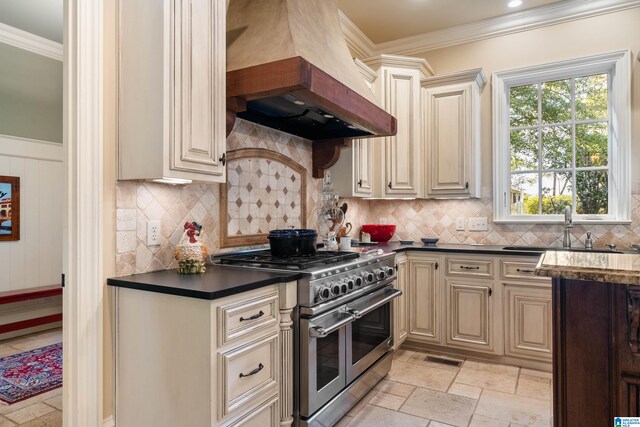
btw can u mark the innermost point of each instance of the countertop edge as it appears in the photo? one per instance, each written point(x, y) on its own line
point(587, 274)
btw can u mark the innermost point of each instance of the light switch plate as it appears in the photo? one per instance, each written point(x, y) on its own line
point(153, 233)
point(478, 224)
point(460, 223)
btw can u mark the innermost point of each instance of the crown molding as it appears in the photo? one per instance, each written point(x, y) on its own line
point(475, 75)
point(509, 24)
point(357, 41)
point(27, 41)
point(400, 61)
point(369, 74)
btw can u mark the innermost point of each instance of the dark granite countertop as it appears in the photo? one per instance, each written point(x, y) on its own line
point(218, 282)
point(458, 248)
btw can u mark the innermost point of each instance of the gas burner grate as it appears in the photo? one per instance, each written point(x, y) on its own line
point(265, 259)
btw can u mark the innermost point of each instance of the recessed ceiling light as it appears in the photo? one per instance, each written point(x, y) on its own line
point(514, 3)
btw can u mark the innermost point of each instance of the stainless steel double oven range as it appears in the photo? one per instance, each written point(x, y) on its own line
point(343, 327)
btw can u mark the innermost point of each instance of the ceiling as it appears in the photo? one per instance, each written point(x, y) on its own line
point(384, 20)
point(40, 17)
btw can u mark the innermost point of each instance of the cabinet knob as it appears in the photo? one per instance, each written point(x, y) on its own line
point(466, 186)
point(389, 184)
point(360, 183)
point(223, 159)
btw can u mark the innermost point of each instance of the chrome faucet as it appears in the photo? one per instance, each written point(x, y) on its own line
point(568, 225)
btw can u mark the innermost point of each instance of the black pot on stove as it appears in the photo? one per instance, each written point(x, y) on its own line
point(292, 242)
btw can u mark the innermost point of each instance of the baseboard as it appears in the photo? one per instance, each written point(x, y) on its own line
point(109, 422)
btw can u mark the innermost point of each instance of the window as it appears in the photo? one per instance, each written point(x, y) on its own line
point(562, 138)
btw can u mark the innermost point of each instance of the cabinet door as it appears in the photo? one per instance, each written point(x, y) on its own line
point(402, 151)
point(425, 299)
point(470, 314)
point(198, 134)
point(363, 167)
point(448, 140)
point(400, 303)
point(527, 320)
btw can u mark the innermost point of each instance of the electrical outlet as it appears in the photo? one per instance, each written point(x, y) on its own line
point(460, 223)
point(153, 233)
point(478, 224)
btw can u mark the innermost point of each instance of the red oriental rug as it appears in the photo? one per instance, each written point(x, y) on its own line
point(28, 374)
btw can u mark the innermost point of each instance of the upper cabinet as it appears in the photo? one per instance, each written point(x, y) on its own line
point(352, 175)
point(172, 78)
point(398, 158)
point(451, 127)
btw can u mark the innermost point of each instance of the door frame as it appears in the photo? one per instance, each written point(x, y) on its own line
point(83, 219)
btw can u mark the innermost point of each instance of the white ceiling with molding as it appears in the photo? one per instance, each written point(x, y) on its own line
point(386, 20)
point(43, 18)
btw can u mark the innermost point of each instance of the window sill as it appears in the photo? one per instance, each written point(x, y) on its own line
point(561, 222)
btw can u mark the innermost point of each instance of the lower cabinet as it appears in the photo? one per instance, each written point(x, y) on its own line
point(424, 298)
point(468, 303)
point(471, 320)
point(527, 320)
point(225, 362)
point(400, 317)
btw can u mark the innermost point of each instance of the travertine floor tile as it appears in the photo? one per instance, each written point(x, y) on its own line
point(374, 416)
point(465, 390)
point(54, 419)
point(482, 421)
point(5, 409)
point(441, 407)
point(489, 376)
point(29, 413)
point(387, 400)
point(55, 401)
point(392, 387)
point(344, 422)
point(535, 387)
point(515, 409)
point(360, 405)
point(5, 422)
point(534, 373)
point(427, 377)
point(437, 424)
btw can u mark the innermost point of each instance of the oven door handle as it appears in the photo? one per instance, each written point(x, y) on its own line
point(376, 300)
point(318, 331)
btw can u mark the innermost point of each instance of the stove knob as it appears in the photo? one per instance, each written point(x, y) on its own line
point(343, 288)
point(368, 277)
point(351, 283)
point(358, 281)
point(323, 293)
point(390, 271)
point(335, 289)
point(380, 274)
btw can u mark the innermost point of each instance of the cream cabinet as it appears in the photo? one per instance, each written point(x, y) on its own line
point(424, 298)
point(199, 362)
point(353, 173)
point(398, 159)
point(451, 128)
point(172, 98)
point(400, 317)
point(471, 315)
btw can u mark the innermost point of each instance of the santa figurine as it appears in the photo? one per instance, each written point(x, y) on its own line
point(191, 252)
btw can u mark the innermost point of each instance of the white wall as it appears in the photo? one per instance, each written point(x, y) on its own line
point(36, 259)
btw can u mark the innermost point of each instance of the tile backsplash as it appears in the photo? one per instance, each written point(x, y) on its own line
point(139, 201)
point(437, 218)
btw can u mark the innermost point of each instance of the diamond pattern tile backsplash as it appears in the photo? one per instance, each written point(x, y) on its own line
point(140, 201)
point(437, 218)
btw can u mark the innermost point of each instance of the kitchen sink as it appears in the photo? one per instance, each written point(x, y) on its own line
point(556, 248)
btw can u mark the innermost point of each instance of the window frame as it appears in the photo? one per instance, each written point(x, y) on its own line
point(618, 66)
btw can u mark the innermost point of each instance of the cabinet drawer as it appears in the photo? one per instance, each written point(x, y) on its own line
point(247, 372)
point(520, 270)
point(244, 317)
point(469, 267)
point(263, 415)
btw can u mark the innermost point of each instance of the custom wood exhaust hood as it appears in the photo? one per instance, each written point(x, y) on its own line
point(289, 68)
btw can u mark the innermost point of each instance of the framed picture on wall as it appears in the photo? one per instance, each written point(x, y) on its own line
point(9, 208)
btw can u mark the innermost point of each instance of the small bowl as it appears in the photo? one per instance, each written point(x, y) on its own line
point(405, 242)
point(430, 240)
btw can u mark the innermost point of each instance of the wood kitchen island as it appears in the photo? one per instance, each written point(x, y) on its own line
point(596, 355)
